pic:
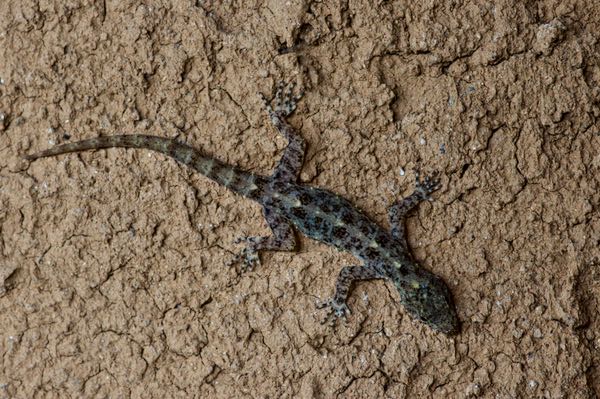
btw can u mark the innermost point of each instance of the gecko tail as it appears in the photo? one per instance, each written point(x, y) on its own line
point(236, 180)
point(84, 145)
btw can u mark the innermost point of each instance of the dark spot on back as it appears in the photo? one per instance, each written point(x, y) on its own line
point(340, 232)
point(274, 202)
point(347, 217)
point(354, 242)
point(365, 229)
point(318, 220)
point(304, 198)
point(381, 237)
point(299, 212)
point(319, 224)
point(371, 252)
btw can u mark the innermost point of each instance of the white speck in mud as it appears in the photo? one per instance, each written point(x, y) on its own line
point(518, 333)
point(363, 360)
point(473, 389)
point(422, 141)
point(532, 384)
point(402, 172)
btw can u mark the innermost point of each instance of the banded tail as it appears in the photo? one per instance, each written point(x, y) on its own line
point(244, 183)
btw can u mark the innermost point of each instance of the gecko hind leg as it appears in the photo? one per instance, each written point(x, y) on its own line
point(285, 103)
point(398, 210)
point(283, 239)
point(337, 306)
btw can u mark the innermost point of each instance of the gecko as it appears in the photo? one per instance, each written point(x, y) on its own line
point(289, 205)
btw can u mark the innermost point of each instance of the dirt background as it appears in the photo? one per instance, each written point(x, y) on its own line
point(112, 276)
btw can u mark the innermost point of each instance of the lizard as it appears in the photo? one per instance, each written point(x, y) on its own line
point(317, 213)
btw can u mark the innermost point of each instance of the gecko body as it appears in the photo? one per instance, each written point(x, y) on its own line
point(315, 212)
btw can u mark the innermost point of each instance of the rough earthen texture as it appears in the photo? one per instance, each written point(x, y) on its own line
point(112, 277)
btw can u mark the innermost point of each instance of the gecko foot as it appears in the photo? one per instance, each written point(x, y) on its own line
point(248, 256)
point(427, 185)
point(285, 101)
point(335, 310)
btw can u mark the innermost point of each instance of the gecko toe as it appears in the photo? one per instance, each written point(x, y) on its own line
point(334, 311)
point(428, 184)
point(247, 257)
point(284, 102)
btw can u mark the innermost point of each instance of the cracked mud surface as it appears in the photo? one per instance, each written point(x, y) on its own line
point(112, 277)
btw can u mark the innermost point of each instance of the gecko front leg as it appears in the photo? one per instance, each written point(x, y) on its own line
point(285, 103)
point(398, 210)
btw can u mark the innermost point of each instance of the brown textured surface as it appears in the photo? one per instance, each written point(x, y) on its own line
point(111, 263)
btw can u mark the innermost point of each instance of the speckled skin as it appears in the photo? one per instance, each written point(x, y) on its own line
point(316, 213)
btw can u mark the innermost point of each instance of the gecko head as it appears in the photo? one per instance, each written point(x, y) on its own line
point(427, 298)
